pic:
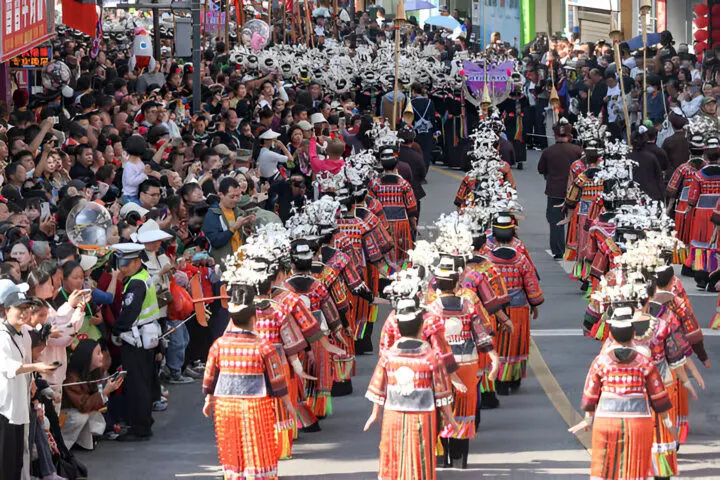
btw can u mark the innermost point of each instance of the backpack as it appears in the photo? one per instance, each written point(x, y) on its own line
point(422, 124)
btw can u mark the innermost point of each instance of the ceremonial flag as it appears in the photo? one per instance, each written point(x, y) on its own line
point(81, 15)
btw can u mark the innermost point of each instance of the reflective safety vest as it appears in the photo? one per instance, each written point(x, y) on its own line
point(150, 310)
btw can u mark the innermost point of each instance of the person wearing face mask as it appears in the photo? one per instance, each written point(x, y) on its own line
point(708, 111)
point(655, 100)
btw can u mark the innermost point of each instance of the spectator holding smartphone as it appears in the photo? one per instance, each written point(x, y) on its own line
point(83, 402)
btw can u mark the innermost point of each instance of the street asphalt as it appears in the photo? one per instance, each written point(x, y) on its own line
point(526, 438)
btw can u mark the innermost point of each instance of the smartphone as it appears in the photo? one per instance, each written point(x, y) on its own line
point(56, 364)
point(44, 210)
point(117, 374)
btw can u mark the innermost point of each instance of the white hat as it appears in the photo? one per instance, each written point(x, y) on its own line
point(87, 262)
point(269, 135)
point(317, 118)
point(305, 125)
point(126, 252)
point(12, 294)
point(150, 232)
point(132, 207)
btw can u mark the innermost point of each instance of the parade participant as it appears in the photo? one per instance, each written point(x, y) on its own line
point(377, 245)
point(287, 324)
point(669, 349)
point(302, 283)
point(339, 274)
point(409, 384)
point(586, 187)
point(398, 202)
point(692, 332)
point(243, 374)
point(554, 165)
point(466, 331)
point(621, 385)
point(703, 194)
point(482, 277)
point(679, 187)
point(525, 297)
point(138, 331)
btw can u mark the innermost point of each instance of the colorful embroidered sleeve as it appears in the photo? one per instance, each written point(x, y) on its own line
point(689, 324)
point(531, 284)
point(694, 189)
point(677, 347)
point(466, 187)
point(274, 372)
point(304, 318)
point(410, 201)
point(332, 316)
point(434, 332)
point(659, 398)
point(351, 275)
point(377, 389)
point(441, 383)
point(676, 181)
point(212, 369)
point(574, 192)
point(481, 329)
point(290, 332)
point(501, 297)
point(593, 387)
point(389, 334)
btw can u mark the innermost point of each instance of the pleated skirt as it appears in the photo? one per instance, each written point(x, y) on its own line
point(318, 391)
point(571, 239)
point(621, 448)
point(464, 404)
point(484, 364)
point(285, 427)
point(664, 447)
point(407, 446)
point(681, 402)
point(245, 433)
point(513, 348)
point(402, 238)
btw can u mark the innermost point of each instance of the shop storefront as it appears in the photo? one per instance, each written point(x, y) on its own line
point(26, 24)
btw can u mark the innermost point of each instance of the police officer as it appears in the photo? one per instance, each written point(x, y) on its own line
point(139, 332)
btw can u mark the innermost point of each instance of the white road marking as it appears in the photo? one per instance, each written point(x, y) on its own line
point(687, 282)
point(577, 332)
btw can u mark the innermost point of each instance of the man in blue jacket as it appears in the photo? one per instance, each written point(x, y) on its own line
point(225, 220)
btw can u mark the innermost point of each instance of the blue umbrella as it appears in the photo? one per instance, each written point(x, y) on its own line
point(637, 43)
point(418, 5)
point(444, 22)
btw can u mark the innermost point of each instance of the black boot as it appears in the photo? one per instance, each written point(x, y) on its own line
point(515, 385)
point(342, 389)
point(489, 401)
point(465, 448)
point(502, 388)
point(447, 460)
point(686, 271)
point(584, 285)
point(315, 427)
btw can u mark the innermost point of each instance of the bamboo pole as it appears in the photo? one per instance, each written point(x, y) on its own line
point(227, 25)
point(400, 19)
point(616, 36)
point(644, 10)
point(335, 19)
point(310, 30)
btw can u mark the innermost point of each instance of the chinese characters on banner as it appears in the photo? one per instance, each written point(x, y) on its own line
point(214, 21)
point(25, 25)
point(33, 58)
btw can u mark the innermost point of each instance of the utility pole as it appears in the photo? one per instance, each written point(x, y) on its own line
point(188, 5)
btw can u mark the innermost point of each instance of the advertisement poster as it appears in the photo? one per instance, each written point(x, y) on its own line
point(25, 24)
